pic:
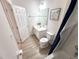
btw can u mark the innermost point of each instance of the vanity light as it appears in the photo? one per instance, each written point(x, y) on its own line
point(42, 4)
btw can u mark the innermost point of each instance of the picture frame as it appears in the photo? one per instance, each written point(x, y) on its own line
point(55, 13)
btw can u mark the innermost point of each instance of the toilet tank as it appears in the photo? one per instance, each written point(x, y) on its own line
point(50, 37)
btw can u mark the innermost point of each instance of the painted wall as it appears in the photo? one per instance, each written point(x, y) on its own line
point(71, 40)
point(53, 25)
point(32, 8)
point(8, 45)
point(11, 19)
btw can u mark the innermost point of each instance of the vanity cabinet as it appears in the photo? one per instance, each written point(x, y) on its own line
point(39, 32)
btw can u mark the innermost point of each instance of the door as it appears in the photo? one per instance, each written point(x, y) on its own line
point(22, 21)
point(8, 45)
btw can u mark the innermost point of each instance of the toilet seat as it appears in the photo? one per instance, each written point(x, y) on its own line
point(43, 42)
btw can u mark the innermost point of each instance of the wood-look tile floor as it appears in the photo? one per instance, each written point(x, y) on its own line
point(31, 49)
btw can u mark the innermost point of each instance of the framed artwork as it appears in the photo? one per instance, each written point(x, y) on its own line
point(54, 14)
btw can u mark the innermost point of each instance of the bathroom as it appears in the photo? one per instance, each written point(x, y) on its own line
point(35, 24)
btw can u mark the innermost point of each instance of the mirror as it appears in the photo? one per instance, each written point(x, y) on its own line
point(41, 18)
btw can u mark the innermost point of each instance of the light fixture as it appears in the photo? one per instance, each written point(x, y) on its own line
point(42, 4)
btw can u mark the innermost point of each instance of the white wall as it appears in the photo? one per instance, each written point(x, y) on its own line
point(8, 45)
point(53, 25)
point(32, 8)
point(30, 5)
point(71, 40)
point(11, 19)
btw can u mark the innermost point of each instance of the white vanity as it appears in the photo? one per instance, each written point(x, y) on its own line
point(39, 31)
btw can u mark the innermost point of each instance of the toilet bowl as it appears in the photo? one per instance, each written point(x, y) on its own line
point(45, 41)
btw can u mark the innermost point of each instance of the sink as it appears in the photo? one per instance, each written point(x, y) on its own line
point(39, 31)
point(39, 27)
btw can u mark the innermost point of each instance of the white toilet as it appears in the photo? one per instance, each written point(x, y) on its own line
point(45, 41)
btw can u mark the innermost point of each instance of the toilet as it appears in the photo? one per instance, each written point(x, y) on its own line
point(44, 42)
point(50, 37)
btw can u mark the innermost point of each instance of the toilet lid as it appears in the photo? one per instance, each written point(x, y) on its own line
point(43, 40)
